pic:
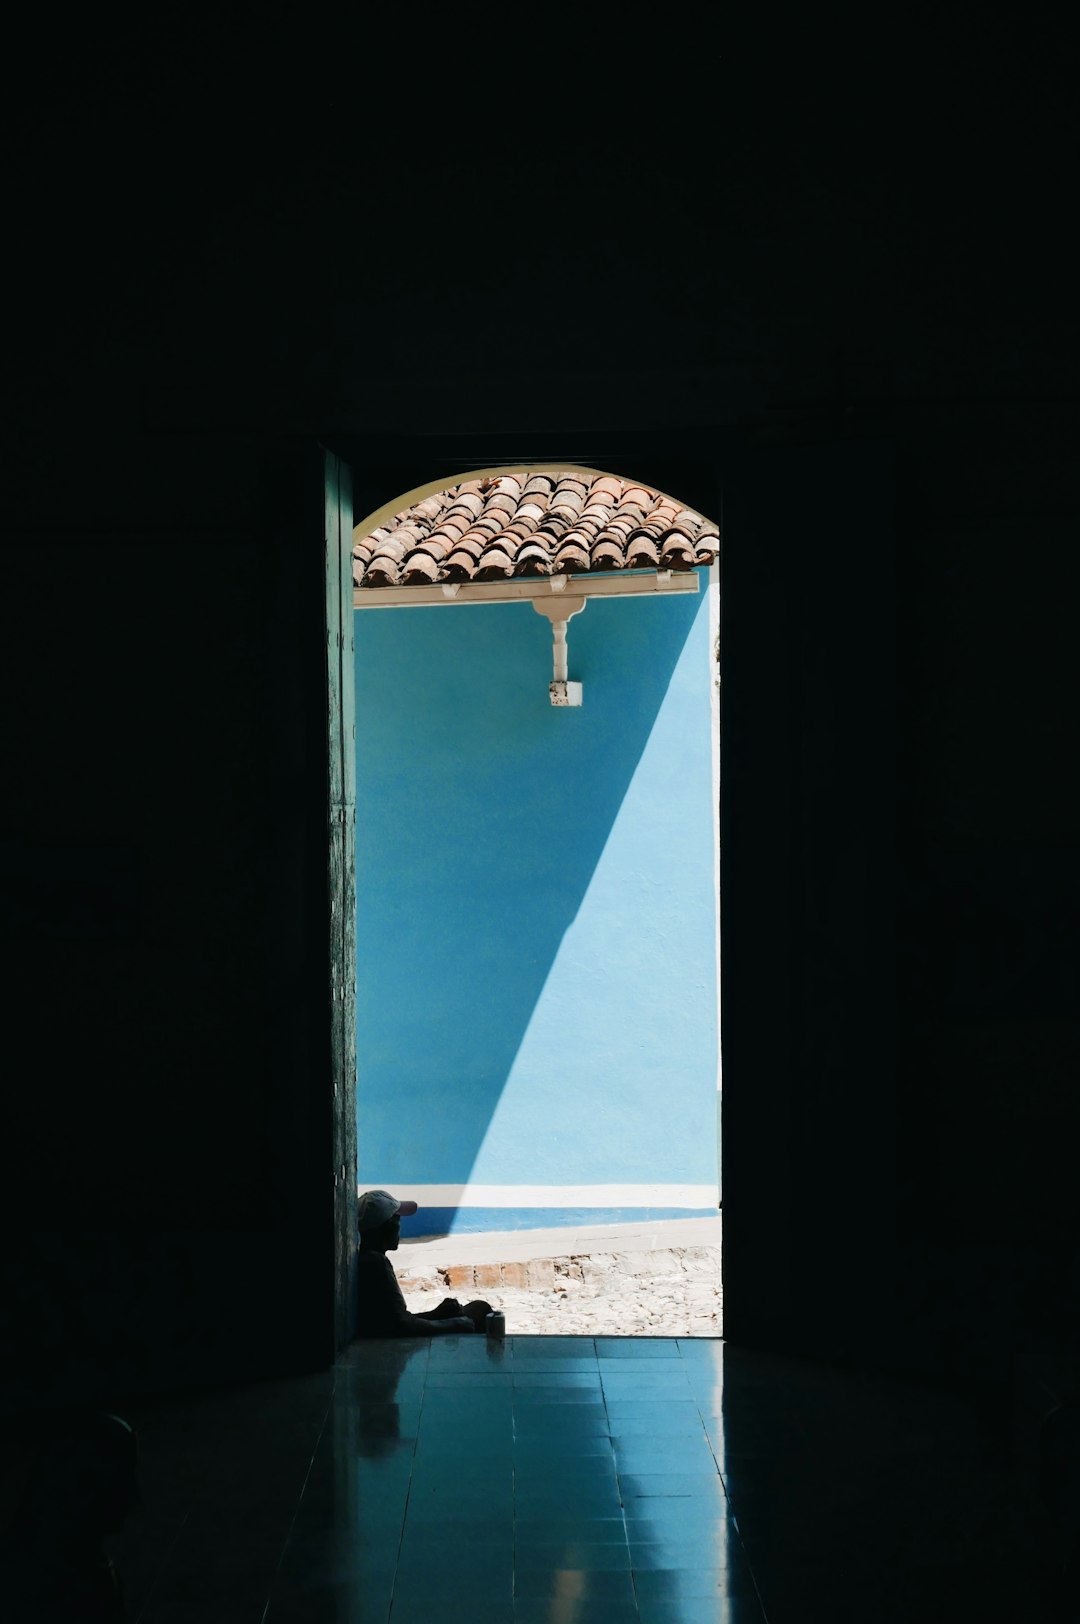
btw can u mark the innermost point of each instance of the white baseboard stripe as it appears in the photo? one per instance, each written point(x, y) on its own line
point(551, 1195)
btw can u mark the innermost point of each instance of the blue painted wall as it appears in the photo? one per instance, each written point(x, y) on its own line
point(536, 906)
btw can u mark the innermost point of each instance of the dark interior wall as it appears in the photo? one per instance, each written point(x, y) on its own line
point(910, 1201)
point(801, 268)
point(165, 1155)
point(988, 883)
point(808, 841)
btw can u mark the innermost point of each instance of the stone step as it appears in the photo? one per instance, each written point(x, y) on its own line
point(547, 1274)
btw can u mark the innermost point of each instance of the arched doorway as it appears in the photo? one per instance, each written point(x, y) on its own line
point(538, 1014)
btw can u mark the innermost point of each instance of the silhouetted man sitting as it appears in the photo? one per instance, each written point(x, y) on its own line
point(382, 1307)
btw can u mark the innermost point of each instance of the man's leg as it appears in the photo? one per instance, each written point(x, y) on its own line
point(478, 1312)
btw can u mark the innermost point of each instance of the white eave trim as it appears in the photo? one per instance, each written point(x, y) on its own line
point(646, 583)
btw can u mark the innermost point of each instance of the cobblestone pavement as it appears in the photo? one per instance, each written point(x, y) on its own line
point(671, 1292)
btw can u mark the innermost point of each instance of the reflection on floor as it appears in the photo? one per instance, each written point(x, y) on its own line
point(567, 1480)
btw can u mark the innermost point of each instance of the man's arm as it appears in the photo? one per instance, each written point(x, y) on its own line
point(449, 1308)
point(449, 1319)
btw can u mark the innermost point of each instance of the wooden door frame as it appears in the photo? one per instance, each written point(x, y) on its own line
point(341, 878)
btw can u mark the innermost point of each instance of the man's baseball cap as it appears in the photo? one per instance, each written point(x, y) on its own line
point(376, 1206)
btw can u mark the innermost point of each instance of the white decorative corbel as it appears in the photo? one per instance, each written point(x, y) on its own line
point(562, 691)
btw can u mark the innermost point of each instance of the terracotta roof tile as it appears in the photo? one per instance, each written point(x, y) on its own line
point(502, 502)
point(467, 502)
point(607, 555)
point(420, 568)
point(641, 552)
point(495, 565)
point(532, 523)
point(533, 559)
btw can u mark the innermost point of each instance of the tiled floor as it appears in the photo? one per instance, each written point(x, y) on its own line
point(552, 1481)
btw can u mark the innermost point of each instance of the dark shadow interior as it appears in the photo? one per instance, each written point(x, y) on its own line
point(856, 312)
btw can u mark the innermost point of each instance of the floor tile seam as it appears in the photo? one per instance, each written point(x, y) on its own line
point(159, 1574)
point(409, 1490)
point(621, 1519)
point(275, 1576)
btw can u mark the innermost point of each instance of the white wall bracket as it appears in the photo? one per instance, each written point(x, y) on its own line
point(560, 611)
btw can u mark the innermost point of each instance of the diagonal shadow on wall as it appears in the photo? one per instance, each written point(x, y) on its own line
point(482, 815)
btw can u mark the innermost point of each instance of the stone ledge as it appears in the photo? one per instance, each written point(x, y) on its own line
point(542, 1274)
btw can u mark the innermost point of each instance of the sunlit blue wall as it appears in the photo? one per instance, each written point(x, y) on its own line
point(536, 939)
